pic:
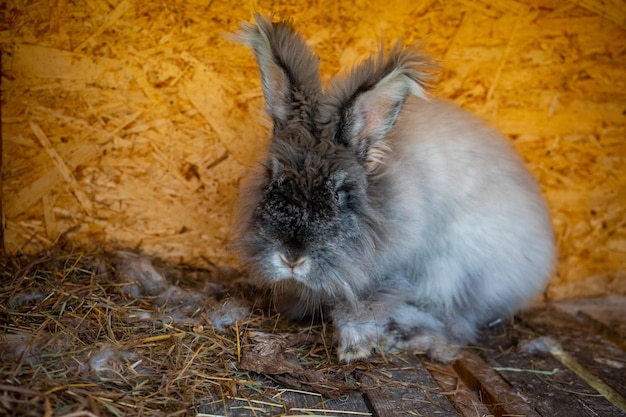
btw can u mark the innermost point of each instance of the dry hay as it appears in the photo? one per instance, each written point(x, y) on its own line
point(129, 124)
point(114, 335)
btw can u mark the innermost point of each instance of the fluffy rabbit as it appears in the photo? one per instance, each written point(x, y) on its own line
point(407, 218)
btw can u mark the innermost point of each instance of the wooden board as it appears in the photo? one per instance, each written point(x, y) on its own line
point(598, 357)
point(606, 314)
point(465, 400)
point(495, 392)
point(544, 382)
point(404, 387)
point(152, 116)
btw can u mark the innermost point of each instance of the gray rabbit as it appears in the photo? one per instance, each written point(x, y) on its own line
point(410, 221)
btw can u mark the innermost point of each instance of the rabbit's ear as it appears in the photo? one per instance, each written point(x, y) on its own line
point(289, 69)
point(364, 103)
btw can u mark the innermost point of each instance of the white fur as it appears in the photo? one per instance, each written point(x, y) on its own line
point(464, 204)
point(451, 168)
point(283, 271)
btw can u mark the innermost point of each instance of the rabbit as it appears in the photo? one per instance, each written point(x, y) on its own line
point(405, 219)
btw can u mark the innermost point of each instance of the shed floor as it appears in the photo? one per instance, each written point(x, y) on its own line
point(87, 335)
point(562, 359)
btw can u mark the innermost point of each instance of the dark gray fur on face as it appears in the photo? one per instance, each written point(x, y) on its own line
point(408, 219)
point(315, 198)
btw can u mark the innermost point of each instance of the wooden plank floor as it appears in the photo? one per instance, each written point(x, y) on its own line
point(563, 359)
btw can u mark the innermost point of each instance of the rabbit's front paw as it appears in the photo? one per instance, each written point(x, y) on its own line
point(357, 341)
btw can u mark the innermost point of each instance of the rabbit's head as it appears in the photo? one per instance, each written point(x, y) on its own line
point(312, 211)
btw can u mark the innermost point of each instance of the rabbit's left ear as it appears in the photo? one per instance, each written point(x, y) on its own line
point(366, 102)
point(289, 69)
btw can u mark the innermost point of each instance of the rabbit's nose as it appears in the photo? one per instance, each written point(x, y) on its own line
point(293, 263)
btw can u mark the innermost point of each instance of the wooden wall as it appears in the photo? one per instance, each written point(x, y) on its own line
point(128, 123)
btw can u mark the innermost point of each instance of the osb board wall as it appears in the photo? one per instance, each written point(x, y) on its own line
point(130, 123)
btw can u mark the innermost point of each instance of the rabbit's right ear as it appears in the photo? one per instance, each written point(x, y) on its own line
point(289, 69)
point(363, 104)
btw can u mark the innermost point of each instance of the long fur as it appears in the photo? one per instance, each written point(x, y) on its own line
point(289, 69)
point(407, 218)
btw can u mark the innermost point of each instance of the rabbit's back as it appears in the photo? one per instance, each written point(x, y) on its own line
point(470, 226)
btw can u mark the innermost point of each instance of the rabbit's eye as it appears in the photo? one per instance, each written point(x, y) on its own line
point(341, 197)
